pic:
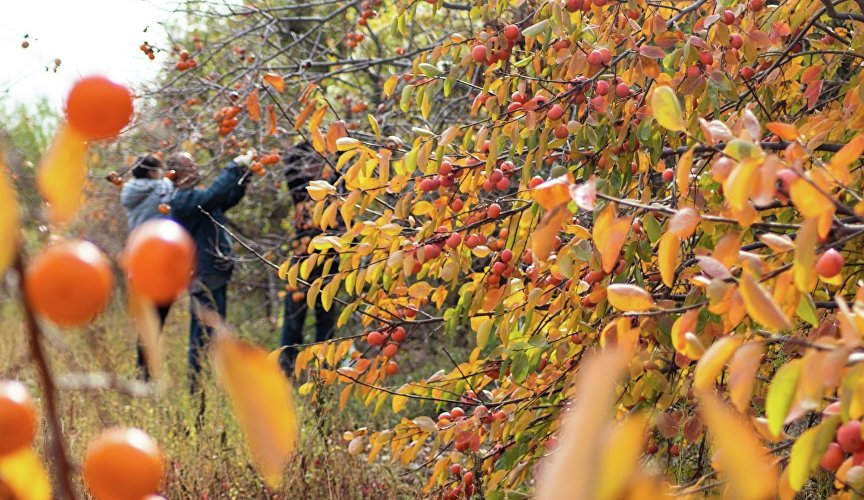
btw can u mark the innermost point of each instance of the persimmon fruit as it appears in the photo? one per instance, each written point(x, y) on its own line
point(123, 464)
point(69, 283)
point(159, 260)
point(98, 107)
point(18, 421)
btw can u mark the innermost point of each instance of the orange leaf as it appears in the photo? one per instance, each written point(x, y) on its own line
point(553, 192)
point(809, 200)
point(629, 297)
point(712, 362)
point(275, 81)
point(609, 234)
point(811, 74)
point(742, 374)
point(684, 222)
point(63, 173)
point(574, 468)
point(805, 255)
point(253, 105)
point(262, 401)
point(271, 119)
point(304, 115)
point(668, 256)
point(336, 131)
point(785, 131)
point(749, 467)
point(684, 325)
point(143, 311)
point(738, 186)
point(760, 306)
point(848, 154)
point(543, 238)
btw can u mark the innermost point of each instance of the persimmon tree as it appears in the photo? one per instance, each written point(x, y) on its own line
point(675, 186)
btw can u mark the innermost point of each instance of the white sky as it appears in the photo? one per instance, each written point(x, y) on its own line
point(89, 36)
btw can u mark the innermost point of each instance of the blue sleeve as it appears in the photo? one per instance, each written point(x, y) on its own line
point(237, 192)
point(186, 202)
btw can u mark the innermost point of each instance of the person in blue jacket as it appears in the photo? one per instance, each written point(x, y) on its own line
point(201, 211)
point(141, 198)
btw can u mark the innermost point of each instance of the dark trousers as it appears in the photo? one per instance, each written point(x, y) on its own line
point(143, 368)
point(199, 335)
point(292, 326)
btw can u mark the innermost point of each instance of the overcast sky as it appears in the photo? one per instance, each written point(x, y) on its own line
point(88, 36)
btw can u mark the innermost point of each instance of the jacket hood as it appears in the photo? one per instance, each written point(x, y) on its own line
point(137, 190)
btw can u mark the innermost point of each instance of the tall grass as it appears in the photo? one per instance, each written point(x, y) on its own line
point(204, 448)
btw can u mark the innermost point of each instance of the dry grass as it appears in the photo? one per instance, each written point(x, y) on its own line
point(206, 461)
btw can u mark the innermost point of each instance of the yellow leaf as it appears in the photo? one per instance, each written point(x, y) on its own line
point(318, 190)
point(23, 475)
point(683, 327)
point(574, 466)
point(420, 290)
point(781, 393)
point(629, 297)
point(808, 450)
point(666, 108)
point(668, 255)
point(621, 459)
point(553, 192)
point(684, 222)
point(760, 306)
point(738, 186)
point(805, 255)
point(253, 105)
point(848, 154)
point(262, 401)
point(682, 173)
point(143, 311)
point(9, 221)
point(785, 131)
point(609, 234)
point(742, 374)
point(374, 124)
point(63, 172)
point(776, 242)
point(543, 237)
point(743, 459)
point(275, 81)
point(809, 200)
point(390, 85)
point(711, 363)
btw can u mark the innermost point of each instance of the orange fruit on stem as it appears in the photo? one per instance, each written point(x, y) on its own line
point(123, 464)
point(69, 283)
point(17, 417)
point(159, 260)
point(98, 107)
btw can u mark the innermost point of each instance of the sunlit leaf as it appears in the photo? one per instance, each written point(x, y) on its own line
point(143, 311)
point(785, 131)
point(573, 467)
point(253, 105)
point(848, 154)
point(684, 222)
point(9, 221)
point(711, 363)
point(810, 200)
point(805, 255)
point(742, 374)
point(760, 306)
point(629, 298)
point(609, 234)
point(742, 458)
point(667, 109)
point(808, 450)
point(543, 237)
point(668, 257)
point(63, 172)
point(276, 81)
point(552, 193)
point(262, 401)
point(781, 392)
point(23, 475)
point(623, 449)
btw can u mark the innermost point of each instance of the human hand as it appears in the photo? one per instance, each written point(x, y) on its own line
point(246, 159)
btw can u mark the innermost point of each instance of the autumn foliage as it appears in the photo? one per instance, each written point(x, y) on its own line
point(644, 217)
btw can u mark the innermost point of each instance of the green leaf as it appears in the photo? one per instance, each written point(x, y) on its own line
point(429, 70)
point(807, 310)
point(536, 29)
point(667, 110)
point(780, 395)
point(652, 228)
point(808, 450)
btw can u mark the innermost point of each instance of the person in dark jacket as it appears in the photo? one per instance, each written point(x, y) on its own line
point(141, 198)
point(303, 164)
point(201, 211)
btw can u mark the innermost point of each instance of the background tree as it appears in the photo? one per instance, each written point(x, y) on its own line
point(665, 183)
